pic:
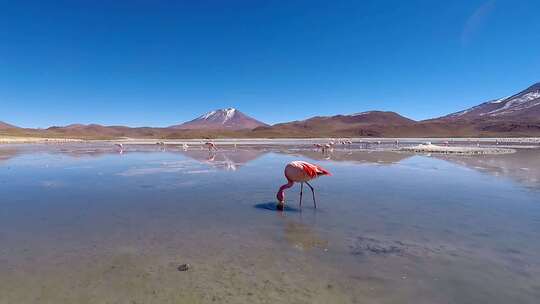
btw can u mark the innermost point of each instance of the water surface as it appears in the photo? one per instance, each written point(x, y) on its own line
point(83, 223)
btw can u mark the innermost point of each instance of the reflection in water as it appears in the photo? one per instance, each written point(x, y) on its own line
point(379, 157)
point(229, 160)
point(302, 236)
point(82, 224)
point(523, 166)
point(8, 152)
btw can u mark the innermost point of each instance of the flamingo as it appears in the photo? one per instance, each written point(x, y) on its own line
point(211, 146)
point(327, 148)
point(299, 172)
point(121, 147)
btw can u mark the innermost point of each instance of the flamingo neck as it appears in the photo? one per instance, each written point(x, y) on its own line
point(281, 192)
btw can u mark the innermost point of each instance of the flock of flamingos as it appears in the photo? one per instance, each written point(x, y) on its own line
point(300, 171)
point(295, 172)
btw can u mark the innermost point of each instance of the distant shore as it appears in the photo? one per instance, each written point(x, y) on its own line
point(431, 148)
point(29, 140)
point(284, 141)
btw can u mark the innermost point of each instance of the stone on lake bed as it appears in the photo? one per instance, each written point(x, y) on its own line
point(371, 246)
point(184, 267)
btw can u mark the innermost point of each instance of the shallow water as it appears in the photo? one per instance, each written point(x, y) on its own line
point(83, 223)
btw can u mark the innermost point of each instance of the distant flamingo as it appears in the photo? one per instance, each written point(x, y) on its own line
point(120, 147)
point(327, 147)
point(299, 172)
point(211, 146)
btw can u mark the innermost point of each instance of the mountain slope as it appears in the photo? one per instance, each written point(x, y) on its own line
point(4, 126)
point(102, 132)
point(222, 119)
point(517, 115)
point(523, 106)
point(372, 123)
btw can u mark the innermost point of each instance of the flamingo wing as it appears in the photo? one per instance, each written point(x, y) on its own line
point(313, 170)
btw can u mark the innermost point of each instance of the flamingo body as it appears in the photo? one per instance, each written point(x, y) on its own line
point(299, 172)
point(120, 147)
point(211, 146)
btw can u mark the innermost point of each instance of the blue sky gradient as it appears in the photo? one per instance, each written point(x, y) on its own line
point(158, 63)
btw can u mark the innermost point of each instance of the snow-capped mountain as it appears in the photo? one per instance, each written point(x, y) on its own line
point(228, 119)
point(522, 106)
point(4, 125)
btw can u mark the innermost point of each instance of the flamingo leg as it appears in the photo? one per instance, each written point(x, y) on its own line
point(301, 192)
point(312, 192)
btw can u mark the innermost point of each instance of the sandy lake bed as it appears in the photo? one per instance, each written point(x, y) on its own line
point(84, 223)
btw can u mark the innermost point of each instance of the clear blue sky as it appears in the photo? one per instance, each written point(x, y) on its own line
point(157, 63)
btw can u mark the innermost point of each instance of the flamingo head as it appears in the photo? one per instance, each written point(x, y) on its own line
point(280, 196)
point(280, 205)
point(281, 200)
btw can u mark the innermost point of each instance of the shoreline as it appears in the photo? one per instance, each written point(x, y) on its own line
point(31, 140)
point(376, 140)
point(430, 148)
point(455, 146)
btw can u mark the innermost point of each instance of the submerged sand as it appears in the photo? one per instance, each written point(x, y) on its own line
point(82, 223)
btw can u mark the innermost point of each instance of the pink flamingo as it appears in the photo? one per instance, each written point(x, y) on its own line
point(211, 146)
point(327, 147)
point(299, 172)
point(120, 147)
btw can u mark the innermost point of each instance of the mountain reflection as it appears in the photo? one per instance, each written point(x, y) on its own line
point(522, 166)
point(230, 160)
point(378, 157)
point(7, 153)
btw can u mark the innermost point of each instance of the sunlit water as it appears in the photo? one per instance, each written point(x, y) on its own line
point(86, 224)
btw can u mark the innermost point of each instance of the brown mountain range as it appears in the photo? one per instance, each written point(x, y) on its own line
point(373, 123)
point(517, 115)
point(5, 126)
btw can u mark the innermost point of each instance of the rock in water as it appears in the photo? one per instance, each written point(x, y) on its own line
point(184, 267)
